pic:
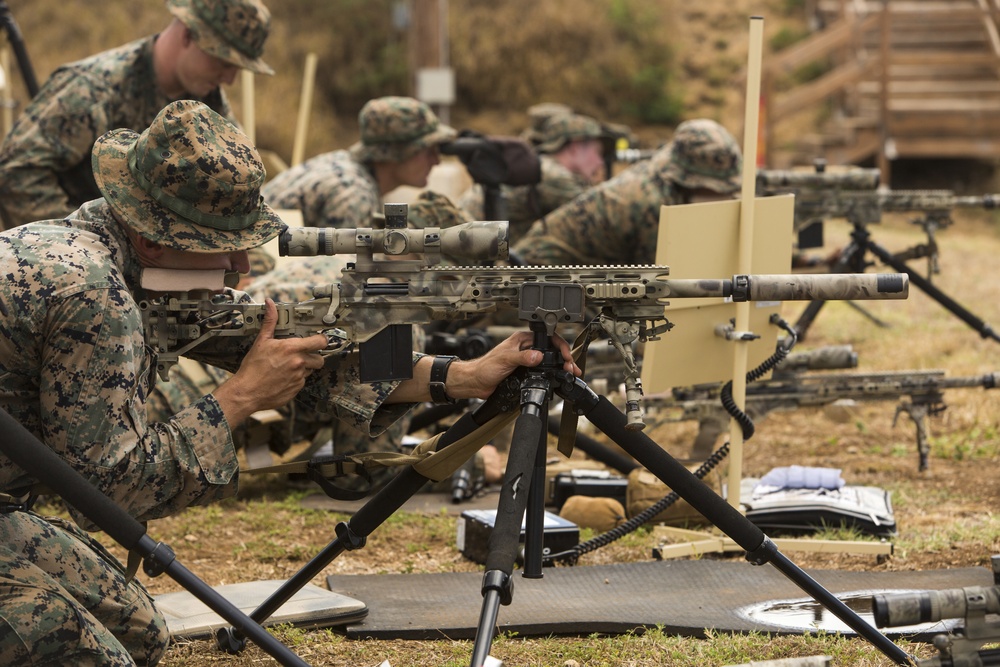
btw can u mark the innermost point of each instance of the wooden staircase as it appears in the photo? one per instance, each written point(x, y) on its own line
point(904, 79)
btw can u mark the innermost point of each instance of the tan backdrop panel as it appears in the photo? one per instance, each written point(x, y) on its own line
point(702, 241)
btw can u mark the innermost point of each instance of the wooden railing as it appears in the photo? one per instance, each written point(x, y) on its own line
point(904, 79)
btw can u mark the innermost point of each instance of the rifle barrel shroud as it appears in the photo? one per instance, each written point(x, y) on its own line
point(373, 295)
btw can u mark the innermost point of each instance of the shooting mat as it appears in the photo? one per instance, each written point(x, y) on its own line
point(683, 597)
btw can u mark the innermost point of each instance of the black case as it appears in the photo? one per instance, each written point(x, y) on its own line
point(476, 526)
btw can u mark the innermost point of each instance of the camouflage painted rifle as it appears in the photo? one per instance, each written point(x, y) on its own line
point(376, 300)
point(791, 391)
point(855, 196)
point(974, 609)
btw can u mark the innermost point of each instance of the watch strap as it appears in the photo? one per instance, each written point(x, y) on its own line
point(439, 376)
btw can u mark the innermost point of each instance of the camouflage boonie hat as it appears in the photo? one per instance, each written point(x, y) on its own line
point(432, 209)
point(704, 155)
point(261, 262)
point(394, 129)
point(190, 181)
point(560, 129)
point(538, 114)
point(232, 30)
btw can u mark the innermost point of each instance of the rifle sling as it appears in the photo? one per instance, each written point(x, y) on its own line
point(568, 420)
point(432, 464)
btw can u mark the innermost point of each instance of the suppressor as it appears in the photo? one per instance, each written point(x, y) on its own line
point(796, 287)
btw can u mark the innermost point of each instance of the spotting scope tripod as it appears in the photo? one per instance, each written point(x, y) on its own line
point(528, 391)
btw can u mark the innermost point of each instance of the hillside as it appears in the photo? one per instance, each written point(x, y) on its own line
point(647, 65)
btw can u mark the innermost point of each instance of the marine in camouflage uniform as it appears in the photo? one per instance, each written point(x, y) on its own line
point(45, 168)
point(617, 221)
point(292, 282)
point(398, 146)
point(77, 372)
point(570, 152)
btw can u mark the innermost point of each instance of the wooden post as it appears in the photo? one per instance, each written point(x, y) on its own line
point(305, 105)
point(6, 96)
point(428, 43)
point(249, 111)
point(883, 111)
point(750, 124)
point(425, 38)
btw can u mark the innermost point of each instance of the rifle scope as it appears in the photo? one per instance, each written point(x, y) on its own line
point(855, 179)
point(469, 240)
point(896, 609)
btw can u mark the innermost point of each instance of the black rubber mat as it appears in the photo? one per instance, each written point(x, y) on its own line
point(684, 597)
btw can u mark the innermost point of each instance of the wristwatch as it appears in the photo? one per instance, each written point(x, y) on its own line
point(439, 374)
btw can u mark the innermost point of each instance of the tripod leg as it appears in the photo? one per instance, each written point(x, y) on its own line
point(759, 548)
point(952, 306)
point(504, 542)
point(807, 317)
point(352, 534)
point(534, 519)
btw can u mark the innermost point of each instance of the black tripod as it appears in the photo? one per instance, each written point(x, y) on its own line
point(853, 260)
point(522, 496)
point(39, 461)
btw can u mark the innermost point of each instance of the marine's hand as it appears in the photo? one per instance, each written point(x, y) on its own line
point(272, 373)
point(479, 377)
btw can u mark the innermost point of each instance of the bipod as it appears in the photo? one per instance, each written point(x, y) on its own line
point(521, 494)
point(39, 461)
point(353, 533)
point(853, 260)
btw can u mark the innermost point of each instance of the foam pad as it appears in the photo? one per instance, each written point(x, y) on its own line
point(310, 607)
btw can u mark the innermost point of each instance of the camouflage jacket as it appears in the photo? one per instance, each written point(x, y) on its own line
point(45, 170)
point(331, 190)
point(76, 372)
point(615, 222)
point(527, 203)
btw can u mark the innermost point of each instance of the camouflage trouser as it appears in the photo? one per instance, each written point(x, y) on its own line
point(64, 600)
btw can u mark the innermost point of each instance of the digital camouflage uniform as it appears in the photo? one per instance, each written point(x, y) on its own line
point(338, 189)
point(45, 160)
point(526, 203)
point(617, 221)
point(189, 380)
point(77, 372)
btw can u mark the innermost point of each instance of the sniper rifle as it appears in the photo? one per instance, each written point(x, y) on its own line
point(791, 391)
point(855, 196)
point(376, 300)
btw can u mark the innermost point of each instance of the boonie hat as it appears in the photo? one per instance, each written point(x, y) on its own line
point(433, 209)
point(704, 155)
point(538, 114)
point(560, 129)
point(190, 181)
point(232, 30)
point(394, 129)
